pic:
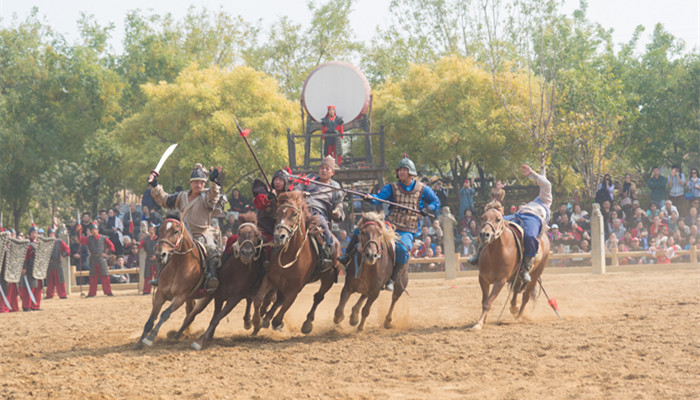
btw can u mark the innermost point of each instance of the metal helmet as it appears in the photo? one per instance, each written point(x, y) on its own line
point(408, 164)
point(198, 173)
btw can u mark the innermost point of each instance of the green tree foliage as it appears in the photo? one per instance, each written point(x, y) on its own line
point(196, 110)
point(451, 116)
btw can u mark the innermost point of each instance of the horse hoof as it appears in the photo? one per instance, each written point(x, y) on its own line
point(247, 325)
point(307, 327)
point(197, 346)
point(476, 327)
point(388, 325)
point(147, 342)
point(338, 319)
point(279, 327)
point(174, 335)
point(360, 329)
point(255, 332)
point(514, 310)
point(354, 320)
point(266, 323)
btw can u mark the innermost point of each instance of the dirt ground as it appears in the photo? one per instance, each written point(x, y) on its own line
point(624, 335)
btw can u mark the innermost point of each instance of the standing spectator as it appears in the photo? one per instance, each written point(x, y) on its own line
point(98, 245)
point(605, 190)
point(442, 193)
point(629, 188)
point(131, 221)
point(498, 193)
point(693, 186)
point(237, 203)
point(133, 258)
point(115, 229)
point(149, 215)
point(343, 239)
point(466, 197)
point(676, 183)
point(148, 244)
point(657, 184)
point(147, 201)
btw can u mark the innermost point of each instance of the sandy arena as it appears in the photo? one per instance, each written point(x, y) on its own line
point(624, 335)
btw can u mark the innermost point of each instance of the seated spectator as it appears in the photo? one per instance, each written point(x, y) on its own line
point(343, 239)
point(466, 247)
point(554, 234)
point(435, 232)
point(563, 210)
point(673, 222)
point(237, 203)
point(683, 229)
point(466, 219)
point(580, 216)
point(691, 217)
point(653, 211)
point(583, 247)
point(621, 249)
point(611, 243)
point(627, 239)
point(617, 228)
point(663, 217)
point(564, 224)
point(658, 226)
point(644, 239)
point(638, 216)
point(669, 208)
point(473, 231)
point(438, 252)
point(231, 222)
point(124, 278)
point(416, 249)
point(637, 230)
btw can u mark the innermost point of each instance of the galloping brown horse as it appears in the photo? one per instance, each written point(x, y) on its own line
point(369, 277)
point(240, 276)
point(293, 263)
point(179, 279)
point(499, 260)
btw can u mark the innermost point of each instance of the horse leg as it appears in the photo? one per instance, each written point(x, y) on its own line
point(265, 287)
point(158, 302)
point(486, 304)
point(514, 301)
point(326, 284)
point(246, 318)
point(399, 288)
point(354, 319)
point(192, 312)
point(215, 320)
point(365, 310)
point(287, 302)
point(529, 289)
point(267, 317)
point(340, 310)
point(176, 303)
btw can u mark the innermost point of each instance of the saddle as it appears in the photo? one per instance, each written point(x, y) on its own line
point(519, 233)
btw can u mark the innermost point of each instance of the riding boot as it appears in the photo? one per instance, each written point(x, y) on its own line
point(212, 265)
point(327, 256)
point(474, 259)
point(154, 282)
point(350, 250)
point(394, 276)
point(525, 269)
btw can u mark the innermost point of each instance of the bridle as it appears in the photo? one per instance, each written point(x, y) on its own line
point(292, 231)
point(497, 231)
point(178, 243)
point(236, 248)
point(372, 241)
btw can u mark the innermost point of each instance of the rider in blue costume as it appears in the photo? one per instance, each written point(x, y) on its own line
point(407, 192)
point(532, 217)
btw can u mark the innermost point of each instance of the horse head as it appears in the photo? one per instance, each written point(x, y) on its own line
point(492, 223)
point(171, 234)
point(249, 238)
point(370, 238)
point(291, 209)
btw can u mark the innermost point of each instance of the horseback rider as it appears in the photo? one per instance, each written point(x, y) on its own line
point(265, 203)
point(532, 217)
point(196, 207)
point(325, 203)
point(407, 192)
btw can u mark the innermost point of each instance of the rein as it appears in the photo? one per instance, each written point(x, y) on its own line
point(372, 241)
point(178, 243)
point(497, 232)
point(292, 232)
point(258, 248)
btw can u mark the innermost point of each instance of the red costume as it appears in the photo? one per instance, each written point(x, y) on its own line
point(332, 124)
point(97, 244)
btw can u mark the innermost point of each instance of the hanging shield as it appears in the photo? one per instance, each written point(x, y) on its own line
point(3, 241)
point(43, 255)
point(14, 259)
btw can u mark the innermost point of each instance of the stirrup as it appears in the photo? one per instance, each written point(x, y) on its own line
point(474, 259)
point(153, 282)
point(344, 259)
point(212, 284)
point(389, 285)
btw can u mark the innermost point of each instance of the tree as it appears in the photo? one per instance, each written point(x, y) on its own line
point(196, 110)
point(452, 118)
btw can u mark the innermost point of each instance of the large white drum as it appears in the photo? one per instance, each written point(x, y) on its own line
point(336, 83)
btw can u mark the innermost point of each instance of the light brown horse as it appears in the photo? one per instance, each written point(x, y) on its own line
point(179, 279)
point(240, 276)
point(293, 263)
point(374, 270)
point(499, 262)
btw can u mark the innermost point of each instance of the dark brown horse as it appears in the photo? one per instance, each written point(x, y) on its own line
point(240, 276)
point(293, 263)
point(179, 279)
point(499, 261)
point(369, 277)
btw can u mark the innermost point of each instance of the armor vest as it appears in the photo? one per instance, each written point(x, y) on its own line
point(403, 219)
point(56, 252)
point(331, 124)
point(96, 247)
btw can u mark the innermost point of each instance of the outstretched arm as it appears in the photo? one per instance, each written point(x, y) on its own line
point(541, 180)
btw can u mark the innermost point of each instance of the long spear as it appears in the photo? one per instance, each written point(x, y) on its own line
point(355, 192)
point(244, 134)
point(552, 302)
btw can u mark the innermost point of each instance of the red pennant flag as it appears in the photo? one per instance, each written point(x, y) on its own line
point(245, 132)
point(553, 304)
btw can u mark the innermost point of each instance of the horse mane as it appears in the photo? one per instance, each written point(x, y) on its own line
point(249, 217)
point(388, 233)
point(297, 199)
point(493, 205)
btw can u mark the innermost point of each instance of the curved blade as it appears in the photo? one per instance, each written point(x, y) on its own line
point(165, 156)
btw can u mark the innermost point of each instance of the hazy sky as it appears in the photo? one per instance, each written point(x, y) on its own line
point(680, 17)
